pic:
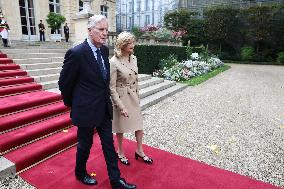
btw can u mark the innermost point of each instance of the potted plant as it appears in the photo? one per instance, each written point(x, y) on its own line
point(54, 22)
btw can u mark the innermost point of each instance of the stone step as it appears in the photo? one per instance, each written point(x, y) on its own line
point(49, 84)
point(159, 96)
point(143, 77)
point(55, 77)
point(25, 51)
point(46, 78)
point(155, 88)
point(46, 71)
point(51, 81)
point(37, 60)
point(41, 65)
point(42, 45)
point(150, 82)
point(35, 55)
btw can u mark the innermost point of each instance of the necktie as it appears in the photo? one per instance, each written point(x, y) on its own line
point(101, 65)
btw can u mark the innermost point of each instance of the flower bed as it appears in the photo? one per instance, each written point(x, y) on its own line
point(196, 65)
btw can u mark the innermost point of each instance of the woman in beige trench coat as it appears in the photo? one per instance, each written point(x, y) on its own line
point(127, 116)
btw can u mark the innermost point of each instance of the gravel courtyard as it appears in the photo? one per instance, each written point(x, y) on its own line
point(234, 121)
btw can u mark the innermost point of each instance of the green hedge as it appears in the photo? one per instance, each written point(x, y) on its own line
point(149, 56)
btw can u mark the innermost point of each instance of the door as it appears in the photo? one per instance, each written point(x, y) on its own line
point(28, 20)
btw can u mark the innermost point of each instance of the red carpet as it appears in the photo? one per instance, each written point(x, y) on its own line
point(21, 118)
point(169, 171)
point(31, 120)
point(28, 100)
point(14, 81)
point(33, 153)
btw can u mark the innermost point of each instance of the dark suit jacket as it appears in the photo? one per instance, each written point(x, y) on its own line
point(83, 88)
point(66, 30)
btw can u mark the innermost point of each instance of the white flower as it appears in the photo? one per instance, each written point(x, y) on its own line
point(188, 63)
point(194, 56)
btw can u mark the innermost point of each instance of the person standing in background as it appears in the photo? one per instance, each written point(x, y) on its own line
point(4, 32)
point(66, 32)
point(41, 31)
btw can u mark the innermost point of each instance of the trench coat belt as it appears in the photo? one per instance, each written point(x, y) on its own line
point(129, 86)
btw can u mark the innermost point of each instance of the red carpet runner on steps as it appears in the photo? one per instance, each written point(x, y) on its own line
point(31, 119)
point(33, 125)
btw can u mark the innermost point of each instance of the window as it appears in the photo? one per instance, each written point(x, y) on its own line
point(130, 7)
point(147, 20)
point(80, 5)
point(130, 22)
point(147, 6)
point(54, 6)
point(104, 10)
point(27, 17)
point(138, 8)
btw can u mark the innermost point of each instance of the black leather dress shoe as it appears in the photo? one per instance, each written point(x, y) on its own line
point(87, 179)
point(121, 184)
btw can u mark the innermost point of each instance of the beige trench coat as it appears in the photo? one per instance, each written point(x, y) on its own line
point(124, 93)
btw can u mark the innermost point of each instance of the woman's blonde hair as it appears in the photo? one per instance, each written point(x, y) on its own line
point(122, 40)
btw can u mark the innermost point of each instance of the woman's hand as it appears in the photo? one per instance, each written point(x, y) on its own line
point(124, 113)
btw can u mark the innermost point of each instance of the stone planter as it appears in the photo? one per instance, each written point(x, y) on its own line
point(55, 37)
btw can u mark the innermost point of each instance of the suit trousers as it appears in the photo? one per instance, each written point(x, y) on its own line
point(85, 141)
point(41, 36)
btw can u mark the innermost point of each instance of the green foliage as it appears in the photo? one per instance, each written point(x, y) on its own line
point(220, 24)
point(149, 56)
point(195, 33)
point(200, 79)
point(179, 19)
point(201, 50)
point(168, 62)
point(280, 58)
point(55, 21)
point(186, 20)
point(136, 31)
point(258, 24)
point(247, 53)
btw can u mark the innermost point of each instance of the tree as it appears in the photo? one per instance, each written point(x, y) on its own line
point(185, 20)
point(179, 19)
point(258, 21)
point(55, 21)
point(221, 24)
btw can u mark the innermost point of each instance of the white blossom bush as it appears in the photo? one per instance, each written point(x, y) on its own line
point(187, 69)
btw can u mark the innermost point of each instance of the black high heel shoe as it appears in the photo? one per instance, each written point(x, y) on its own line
point(145, 158)
point(123, 160)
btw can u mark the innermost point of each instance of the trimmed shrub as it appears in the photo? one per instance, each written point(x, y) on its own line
point(247, 53)
point(280, 58)
point(149, 56)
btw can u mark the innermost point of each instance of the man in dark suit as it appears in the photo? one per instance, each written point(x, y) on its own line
point(84, 85)
point(41, 31)
point(66, 32)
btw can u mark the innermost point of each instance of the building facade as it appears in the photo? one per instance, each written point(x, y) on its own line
point(23, 16)
point(141, 13)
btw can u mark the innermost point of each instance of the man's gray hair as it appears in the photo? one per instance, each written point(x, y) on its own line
point(92, 22)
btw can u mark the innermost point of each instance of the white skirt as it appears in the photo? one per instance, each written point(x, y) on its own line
point(4, 34)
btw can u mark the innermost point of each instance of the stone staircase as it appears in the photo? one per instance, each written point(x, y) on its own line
point(44, 65)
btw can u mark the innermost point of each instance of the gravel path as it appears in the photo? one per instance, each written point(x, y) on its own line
point(233, 121)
